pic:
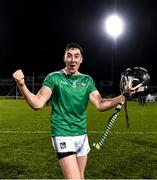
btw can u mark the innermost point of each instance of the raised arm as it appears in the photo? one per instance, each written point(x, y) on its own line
point(104, 104)
point(36, 101)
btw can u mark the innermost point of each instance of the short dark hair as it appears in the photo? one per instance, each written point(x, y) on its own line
point(73, 46)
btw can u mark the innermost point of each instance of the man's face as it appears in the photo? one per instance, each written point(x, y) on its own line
point(73, 59)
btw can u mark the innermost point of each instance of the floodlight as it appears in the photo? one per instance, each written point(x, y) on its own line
point(114, 26)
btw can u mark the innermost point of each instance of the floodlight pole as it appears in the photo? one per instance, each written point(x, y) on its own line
point(112, 62)
point(114, 27)
point(112, 68)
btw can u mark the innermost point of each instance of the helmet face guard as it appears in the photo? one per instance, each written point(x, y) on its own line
point(135, 79)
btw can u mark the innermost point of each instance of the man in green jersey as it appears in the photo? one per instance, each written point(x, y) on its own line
point(69, 92)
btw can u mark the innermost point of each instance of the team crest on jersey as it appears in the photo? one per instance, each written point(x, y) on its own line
point(84, 84)
point(62, 145)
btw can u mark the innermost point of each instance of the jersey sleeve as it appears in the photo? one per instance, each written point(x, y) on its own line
point(48, 81)
point(92, 86)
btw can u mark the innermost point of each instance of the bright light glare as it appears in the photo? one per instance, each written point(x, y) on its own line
point(114, 26)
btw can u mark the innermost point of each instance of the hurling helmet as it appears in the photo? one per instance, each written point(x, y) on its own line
point(135, 79)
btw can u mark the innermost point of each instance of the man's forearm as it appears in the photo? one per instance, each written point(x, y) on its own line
point(29, 97)
point(106, 104)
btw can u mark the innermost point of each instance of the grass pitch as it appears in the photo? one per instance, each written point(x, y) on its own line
point(128, 153)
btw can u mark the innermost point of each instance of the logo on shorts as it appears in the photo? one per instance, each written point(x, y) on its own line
point(62, 145)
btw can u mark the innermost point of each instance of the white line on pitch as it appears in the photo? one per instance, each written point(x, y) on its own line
point(90, 132)
point(24, 132)
point(125, 132)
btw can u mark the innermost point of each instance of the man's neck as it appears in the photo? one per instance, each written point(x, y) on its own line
point(67, 73)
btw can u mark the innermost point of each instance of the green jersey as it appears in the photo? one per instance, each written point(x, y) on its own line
point(70, 95)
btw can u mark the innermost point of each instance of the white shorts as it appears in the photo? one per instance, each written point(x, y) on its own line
point(77, 144)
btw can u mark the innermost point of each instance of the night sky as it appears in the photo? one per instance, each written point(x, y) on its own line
point(33, 35)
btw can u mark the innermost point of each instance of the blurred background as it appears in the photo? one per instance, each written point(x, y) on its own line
point(33, 35)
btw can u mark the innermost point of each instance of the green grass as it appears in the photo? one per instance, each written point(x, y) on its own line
point(128, 153)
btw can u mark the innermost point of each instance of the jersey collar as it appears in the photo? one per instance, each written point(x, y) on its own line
point(64, 72)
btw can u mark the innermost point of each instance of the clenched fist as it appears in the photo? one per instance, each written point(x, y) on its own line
point(19, 77)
